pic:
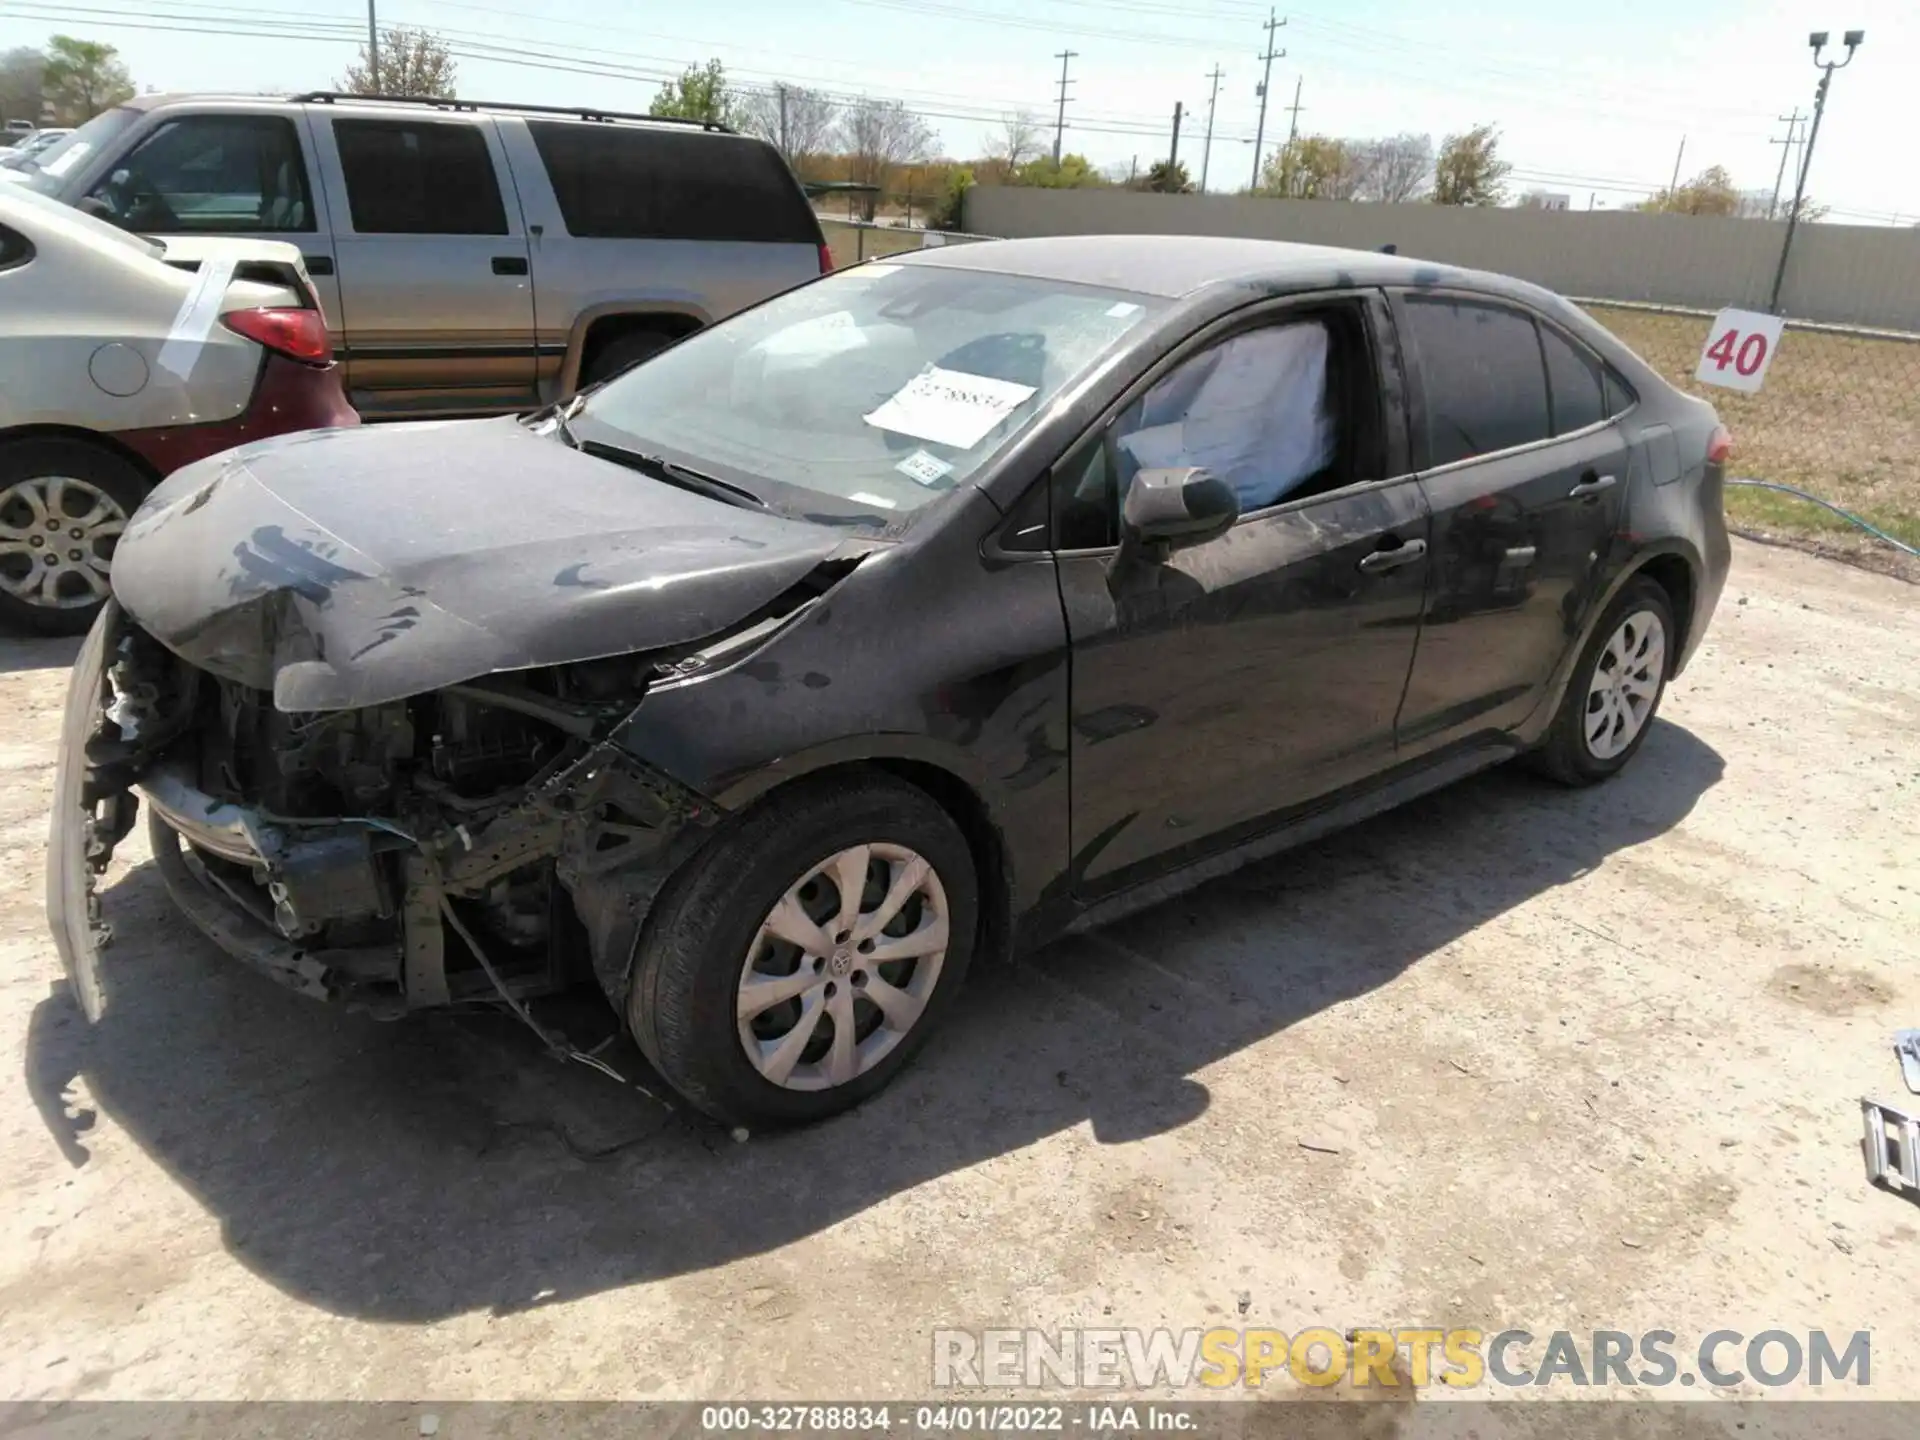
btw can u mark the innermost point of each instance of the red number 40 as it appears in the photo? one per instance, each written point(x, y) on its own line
point(1747, 359)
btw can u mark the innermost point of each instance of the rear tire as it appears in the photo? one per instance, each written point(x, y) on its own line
point(63, 505)
point(710, 942)
point(1615, 690)
point(623, 353)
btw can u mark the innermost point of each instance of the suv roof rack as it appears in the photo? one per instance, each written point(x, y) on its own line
point(328, 97)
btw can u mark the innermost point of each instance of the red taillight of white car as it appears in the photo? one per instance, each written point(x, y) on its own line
point(298, 334)
point(826, 260)
point(1720, 446)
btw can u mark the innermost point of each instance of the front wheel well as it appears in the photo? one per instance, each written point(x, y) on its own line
point(967, 810)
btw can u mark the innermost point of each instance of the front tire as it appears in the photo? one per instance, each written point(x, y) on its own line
point(798, 962)
point(63, 506)
point(1615, 690)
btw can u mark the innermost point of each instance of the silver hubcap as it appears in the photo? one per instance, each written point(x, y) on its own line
point(842, 967)
point(56, 541)
point(1625, 684)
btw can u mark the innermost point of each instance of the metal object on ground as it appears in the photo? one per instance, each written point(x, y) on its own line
point(1893, 1147)
point(1906, 1045)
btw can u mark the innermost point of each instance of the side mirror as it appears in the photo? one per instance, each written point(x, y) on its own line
point(1168, 510)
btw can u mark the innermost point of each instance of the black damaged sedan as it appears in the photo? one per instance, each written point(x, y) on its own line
point(910, 618)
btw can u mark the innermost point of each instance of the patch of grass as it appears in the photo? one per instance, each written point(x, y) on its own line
point(1839, 416)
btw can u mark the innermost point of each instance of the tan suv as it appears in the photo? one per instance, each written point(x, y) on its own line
point(469, 257)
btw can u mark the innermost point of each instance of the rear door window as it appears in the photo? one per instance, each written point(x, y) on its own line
point(212, 175)
point(1481, 373)
point(633, 182)
point(419, 177)
point(1577, 383)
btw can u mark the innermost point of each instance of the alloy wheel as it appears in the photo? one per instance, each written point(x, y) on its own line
point(842, 967)
point(57, 535)
point(1625, 684)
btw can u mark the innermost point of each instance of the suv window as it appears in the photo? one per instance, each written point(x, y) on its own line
point(630, 182)
point(419, 177)
point(1482, 376)
point(211, 175)
point(1576, 381)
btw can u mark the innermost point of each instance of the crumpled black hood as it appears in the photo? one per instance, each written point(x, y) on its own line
point(344, 568)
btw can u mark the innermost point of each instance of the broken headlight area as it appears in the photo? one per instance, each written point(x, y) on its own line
point(477, 841)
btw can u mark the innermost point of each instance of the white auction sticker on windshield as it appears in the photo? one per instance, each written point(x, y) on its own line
point(949, 407)
point(924, 468)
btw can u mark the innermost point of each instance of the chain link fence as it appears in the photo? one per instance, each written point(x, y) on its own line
point(1837, 417)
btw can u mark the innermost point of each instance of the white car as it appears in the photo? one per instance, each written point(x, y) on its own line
point(122, 359)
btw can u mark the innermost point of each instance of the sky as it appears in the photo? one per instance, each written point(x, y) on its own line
point(1596, 101)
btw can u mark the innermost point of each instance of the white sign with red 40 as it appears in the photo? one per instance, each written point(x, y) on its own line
point(1739, 348)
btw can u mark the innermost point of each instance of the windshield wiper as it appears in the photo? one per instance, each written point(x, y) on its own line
point(699, 482)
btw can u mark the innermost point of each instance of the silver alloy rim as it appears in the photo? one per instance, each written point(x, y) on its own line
point(56, 541)
point(1625, 684)
point(843, 967)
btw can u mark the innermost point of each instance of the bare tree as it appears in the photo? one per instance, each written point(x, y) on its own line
point(1393, 169)
point(797, 121)
point(879, 136)
point(20, 93)
point(412, 62)
point(1018, 141)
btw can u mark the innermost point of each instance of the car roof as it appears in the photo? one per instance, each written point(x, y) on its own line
point(1179, 265)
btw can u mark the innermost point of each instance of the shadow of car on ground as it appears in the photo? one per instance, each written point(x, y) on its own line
point(421, 1169)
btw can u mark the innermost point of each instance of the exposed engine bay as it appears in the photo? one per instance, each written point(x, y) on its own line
point(477, 842)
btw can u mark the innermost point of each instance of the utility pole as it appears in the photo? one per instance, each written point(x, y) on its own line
point(1173, 152)
point(1673, 187)
point(1266, 78)
point(1060, 124)
point(1293, 123)
point(1818, 40)
point(1786, 151)
point(373, 50)
point(1206, 154)
point(780, 89)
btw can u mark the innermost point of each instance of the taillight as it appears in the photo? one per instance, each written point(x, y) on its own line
point(826, 260)
point(1720, 446)
point(298, 334)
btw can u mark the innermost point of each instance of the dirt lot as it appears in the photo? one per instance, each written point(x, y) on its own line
point(1563, 1061)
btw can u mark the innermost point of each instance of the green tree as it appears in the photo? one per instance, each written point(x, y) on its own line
point(83, 77)
point(411, 62)
point(1165, 179)
point(1311, 167)
point(948, 210)
point(1711, 192)
point(1470, 170)
point(700, 93)
point(1074, 172)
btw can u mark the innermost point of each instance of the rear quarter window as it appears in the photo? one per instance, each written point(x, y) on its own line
point(15, 249)
point(629, 182)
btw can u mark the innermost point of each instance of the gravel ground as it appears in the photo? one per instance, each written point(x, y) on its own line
point(1513, 1056)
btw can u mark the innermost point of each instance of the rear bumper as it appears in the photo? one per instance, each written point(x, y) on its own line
point(288, 396)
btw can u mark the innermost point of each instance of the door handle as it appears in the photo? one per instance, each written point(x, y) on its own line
point(1381, 561)
point(318, 264)
point(1591, 485)
point(509, 264)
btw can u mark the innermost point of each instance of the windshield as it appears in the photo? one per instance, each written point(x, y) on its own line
point(867, 394)
point(50, 170)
